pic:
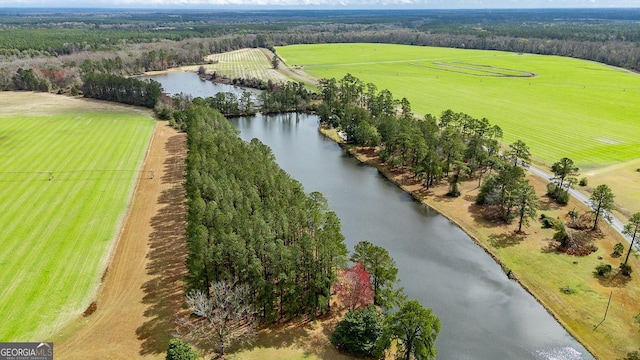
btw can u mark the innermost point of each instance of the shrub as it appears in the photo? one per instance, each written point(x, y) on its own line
point(634, 355)
point(561, 234)
point(359, 331)
point(558, 194)
point(547, 222)
point(487, 189)
point(583, 182)
point(618, 249)
point(575, 216)
point(603, 269)
point(626, 269)
point(568, 290)
point(562, 197)
point(551, 188)
point(180, 350)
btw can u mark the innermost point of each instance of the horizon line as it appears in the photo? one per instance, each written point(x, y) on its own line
point(305, 8)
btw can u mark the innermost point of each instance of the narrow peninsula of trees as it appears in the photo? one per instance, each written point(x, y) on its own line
point(250, 223)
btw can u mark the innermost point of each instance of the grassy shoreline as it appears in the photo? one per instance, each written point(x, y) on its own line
point(541, 272)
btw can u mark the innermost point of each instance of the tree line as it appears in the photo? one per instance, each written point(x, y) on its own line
point(453, 146)
point(120, 89)
point(59, 48)
point(250, 223)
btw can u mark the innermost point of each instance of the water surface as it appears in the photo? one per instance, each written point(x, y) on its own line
point(484, 315)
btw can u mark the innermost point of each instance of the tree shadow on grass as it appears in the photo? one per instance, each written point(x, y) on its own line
point(487, 215)
point(551, 248)
point(444, 198)
point(166, 257)
point(548, 204)
point(613, 280)
point(307, 336)
point(278, 336)
point(506, 239)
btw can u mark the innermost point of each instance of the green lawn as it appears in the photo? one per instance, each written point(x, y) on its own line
point(56, 233)
point(579, 109)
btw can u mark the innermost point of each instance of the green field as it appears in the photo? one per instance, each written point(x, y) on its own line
point(558, 106)
point(56, 234)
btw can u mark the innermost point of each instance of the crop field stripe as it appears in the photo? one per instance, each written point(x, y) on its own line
point(56, 233)
point(574, 108)
point(245, 63)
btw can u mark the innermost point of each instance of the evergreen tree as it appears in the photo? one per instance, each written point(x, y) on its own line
point(180, 350)
point(526, 204)
point(632, 229)
point(601, 203)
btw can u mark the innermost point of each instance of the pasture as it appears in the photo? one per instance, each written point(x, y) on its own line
point(560, 107)
point(68, 171)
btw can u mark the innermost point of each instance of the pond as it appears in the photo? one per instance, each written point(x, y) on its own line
point(484, 315)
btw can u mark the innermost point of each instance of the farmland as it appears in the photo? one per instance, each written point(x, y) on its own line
point(67, 177)
point(244, 63)
point(558, 106)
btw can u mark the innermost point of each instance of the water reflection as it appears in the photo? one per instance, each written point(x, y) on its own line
point(484, 315)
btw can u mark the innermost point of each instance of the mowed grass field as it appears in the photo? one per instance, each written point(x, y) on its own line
point(560, 107)
point(57, 233)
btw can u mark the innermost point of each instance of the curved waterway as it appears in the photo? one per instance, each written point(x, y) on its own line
point(484, 315)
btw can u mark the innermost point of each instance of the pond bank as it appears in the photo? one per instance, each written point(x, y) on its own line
point(531, 260)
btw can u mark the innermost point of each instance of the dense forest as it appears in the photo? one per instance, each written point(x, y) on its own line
point(61, 46)
point(123, 90)
point(249, 222)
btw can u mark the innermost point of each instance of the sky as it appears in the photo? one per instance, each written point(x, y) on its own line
point(327, 4)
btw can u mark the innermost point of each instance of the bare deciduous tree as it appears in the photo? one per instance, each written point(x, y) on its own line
point(223, 318)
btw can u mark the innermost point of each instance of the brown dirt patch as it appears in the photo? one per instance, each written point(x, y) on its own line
point(142, 289)
point(91, 309)
point(25, 103)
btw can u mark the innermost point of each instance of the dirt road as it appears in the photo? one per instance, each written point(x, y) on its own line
point(142, 288)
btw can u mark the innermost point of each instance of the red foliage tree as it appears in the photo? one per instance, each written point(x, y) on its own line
point(353, 287)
